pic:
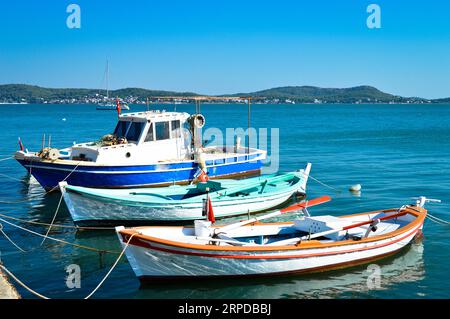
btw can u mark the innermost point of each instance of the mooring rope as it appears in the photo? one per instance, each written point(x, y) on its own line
point(112, 268)
point(92, 292)
point(53, 219)
point(5, 159)
point(322, 183)
point(60, 240)
point(21, 283)
point(437, 220)
point(30, 198)
point(9, 239)
point(55, 225)
point(10, 177)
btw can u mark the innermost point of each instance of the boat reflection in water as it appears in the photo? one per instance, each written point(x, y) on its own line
point(407, 266)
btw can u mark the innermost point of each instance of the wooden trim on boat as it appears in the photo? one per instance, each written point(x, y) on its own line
point(419, 213)
point(321, 254)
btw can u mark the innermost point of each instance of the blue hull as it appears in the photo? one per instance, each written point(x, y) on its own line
point(49, 174)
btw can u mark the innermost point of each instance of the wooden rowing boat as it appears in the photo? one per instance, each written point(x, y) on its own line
point(94, 206)
point(308, 244)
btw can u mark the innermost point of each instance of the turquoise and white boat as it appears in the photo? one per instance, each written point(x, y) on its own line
point(95, 206)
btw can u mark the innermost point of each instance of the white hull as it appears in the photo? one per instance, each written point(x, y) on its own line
point(145, 262)
point(182, 252)
point(84, 209)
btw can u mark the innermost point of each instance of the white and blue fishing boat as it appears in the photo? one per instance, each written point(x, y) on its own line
point(146, 149)
point(94, 206)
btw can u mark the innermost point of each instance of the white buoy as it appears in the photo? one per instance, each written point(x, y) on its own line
point(64, 119)
point(355, 188)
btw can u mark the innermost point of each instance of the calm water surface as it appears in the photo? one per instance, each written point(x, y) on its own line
point(394, 151)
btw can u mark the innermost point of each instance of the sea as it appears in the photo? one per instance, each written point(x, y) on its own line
point(396, 153)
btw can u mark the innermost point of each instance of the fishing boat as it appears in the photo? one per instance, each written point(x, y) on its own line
point(93, 206)
point(146, 149)
point(252, 248)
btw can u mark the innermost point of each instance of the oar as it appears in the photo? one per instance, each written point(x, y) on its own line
point(332, 231)
point(308, 203)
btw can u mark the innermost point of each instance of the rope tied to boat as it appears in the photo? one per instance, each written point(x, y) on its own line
point(21, 283)
point(112, 268)
point(92, 292)
point(437, 220)
point(54, 225)
point(9, 239)
point(59, 240)
point(5, 159)
point(322, 183)
point(53, 219)
point(32, 197)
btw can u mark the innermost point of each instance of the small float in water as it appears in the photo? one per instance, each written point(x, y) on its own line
point(250, 248)
point(93, 206)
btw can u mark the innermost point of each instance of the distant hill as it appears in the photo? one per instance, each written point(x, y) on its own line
point(37, 94)
point(347, 95)
point(297, 94)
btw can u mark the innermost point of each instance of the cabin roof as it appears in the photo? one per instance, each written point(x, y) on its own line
point(155, 115)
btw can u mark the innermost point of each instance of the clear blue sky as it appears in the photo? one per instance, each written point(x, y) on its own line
point(228, 46)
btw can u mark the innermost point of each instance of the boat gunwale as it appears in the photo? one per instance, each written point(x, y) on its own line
point(80, 190)
point(33, 158)
point(419, 214)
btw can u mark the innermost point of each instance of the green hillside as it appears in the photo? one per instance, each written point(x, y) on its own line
point(299, 94)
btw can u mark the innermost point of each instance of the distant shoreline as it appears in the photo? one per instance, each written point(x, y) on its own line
point(364, 94)
point(152, 105)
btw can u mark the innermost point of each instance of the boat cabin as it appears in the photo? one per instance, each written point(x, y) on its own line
point(140, 137)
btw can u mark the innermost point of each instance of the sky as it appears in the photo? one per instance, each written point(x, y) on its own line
point(228, 46)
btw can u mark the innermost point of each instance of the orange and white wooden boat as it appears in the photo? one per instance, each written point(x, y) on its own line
point(251, 248)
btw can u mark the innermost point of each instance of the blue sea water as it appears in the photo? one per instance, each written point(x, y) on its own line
point(394, 151)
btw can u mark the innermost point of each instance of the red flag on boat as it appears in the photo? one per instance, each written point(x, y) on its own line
point(208, 209)
point(211, 217)
point(21, 145)
point(118, 106)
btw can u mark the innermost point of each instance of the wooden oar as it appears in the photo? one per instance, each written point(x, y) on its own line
point(332, 231)
point(308, 203)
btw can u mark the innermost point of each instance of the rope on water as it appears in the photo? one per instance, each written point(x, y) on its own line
point(89, 295)
point(55, 225)
point(60, 240)
point(322, 183)
point(30, 198)
point(21, 283)
point(437, 220)
point(10, 240)
point(5, 159)
point(53, 219)
point(112, 268)
point(10, 177)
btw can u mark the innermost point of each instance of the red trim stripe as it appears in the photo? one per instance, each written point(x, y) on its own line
point(145, 244)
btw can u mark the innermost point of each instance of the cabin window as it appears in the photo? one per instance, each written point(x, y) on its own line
point(122, 128)
point(134, 132)
point(149, 137)
point(162, 131)
point(176, 132)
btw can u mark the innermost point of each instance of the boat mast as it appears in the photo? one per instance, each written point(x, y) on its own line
point(248, 126)
point(107, 75)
